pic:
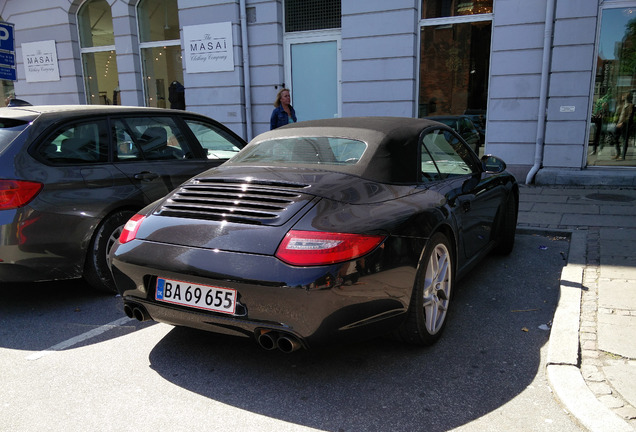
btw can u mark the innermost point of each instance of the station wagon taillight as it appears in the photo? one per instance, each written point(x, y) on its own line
point(17, 193)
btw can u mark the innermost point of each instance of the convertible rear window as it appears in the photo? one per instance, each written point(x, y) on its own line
point(304, 150)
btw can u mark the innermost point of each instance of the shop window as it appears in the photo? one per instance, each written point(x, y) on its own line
point(612, 131)
point(161, 55)
point(452, 8)
point(97, 47)
point(454, 67)
point(305, 15)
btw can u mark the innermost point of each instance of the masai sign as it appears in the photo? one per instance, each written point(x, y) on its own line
point(40, 61)
point(208, 48)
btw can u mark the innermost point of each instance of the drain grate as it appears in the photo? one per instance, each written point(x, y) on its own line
point(610, 197)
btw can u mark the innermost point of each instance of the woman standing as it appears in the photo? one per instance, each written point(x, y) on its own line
point(283, 113)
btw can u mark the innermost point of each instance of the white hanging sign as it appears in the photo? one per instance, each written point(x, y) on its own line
point(40, 61)
point(208, 47)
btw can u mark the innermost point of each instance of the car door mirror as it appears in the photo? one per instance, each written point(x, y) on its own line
point(492, 164)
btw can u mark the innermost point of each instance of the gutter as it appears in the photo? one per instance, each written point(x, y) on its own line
point(543, 95)
point(247, 81)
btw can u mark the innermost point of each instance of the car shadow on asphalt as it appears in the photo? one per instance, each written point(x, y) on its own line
point(490, 353)
point(38, 315)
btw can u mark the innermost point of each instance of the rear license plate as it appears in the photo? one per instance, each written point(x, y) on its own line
point(197, 296)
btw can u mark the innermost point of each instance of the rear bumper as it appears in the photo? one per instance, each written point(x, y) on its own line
point(317, 305)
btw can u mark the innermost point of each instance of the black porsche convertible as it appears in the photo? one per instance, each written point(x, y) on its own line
point(321, 231)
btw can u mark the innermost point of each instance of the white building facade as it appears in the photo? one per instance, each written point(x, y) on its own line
point(546, 75)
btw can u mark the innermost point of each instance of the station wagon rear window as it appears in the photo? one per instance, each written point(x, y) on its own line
point(9, 129)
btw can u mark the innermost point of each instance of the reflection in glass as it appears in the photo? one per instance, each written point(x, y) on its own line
point(454, 67)
point(95, 24)
point(161, 67)
point(450, 8)
point(100, 78)
point(612, 117)
point(158, 20)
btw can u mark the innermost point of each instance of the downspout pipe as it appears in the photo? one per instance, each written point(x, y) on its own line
point(247, 81)
point(543, 96)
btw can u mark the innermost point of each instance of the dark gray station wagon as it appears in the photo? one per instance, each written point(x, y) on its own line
point(71, 176)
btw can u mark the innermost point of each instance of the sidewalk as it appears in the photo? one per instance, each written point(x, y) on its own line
point(592, 352)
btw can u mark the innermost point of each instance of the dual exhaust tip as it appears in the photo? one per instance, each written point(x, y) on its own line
point(267, 339)
point(136, 311)
point(270, 339)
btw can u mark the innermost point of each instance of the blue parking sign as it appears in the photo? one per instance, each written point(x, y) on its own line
point(6, 37)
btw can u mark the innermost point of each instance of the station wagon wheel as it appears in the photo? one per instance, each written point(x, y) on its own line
point(428, 310)
point(96, 271)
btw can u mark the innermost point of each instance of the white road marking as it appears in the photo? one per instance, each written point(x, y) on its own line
point(80, 338)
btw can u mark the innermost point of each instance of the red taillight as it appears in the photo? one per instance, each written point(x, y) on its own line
point(17, 193)
point(130, 229)
point(309, 248)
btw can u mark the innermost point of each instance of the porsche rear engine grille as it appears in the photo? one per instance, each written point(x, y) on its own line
point(262, 203)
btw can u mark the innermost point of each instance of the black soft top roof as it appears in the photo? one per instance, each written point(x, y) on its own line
point(392, 144)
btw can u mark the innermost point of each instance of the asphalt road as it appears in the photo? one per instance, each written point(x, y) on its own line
point(71, 361)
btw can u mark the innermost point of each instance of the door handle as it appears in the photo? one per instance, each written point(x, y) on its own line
point(146, 176)
point(464, 204)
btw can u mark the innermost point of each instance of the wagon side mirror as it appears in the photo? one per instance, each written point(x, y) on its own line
point(492, 164)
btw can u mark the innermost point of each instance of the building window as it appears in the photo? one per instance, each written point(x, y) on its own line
point(160, 46)
point(453, 8)
point(454, 67)
point(612, 132)
point(305, 15)
point(97, 46)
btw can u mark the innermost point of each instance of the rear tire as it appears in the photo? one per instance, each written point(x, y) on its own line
point(434, 284)
point(507, 227)
point(96, 270)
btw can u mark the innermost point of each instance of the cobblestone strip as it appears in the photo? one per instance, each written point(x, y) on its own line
point(592, 359)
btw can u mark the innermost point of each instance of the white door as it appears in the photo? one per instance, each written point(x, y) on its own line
point(313, 74)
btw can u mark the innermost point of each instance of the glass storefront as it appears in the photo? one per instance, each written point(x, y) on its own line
point(612, 133)
point(161, 55)
point(97, 45)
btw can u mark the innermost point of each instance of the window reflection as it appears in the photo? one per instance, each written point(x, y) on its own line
point(449, 8)
point(612, 118)
point(95, 24)
point(454, 67)
point(158, 20)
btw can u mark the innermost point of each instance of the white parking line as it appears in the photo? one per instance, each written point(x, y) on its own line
point(77, 339)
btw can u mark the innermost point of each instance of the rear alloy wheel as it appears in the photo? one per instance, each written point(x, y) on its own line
point(96, 271)
point(431, 294)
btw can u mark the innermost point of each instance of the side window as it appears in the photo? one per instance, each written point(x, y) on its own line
point(149, 138)
point(79, 143)
point(216, 142)
point(444, 156)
